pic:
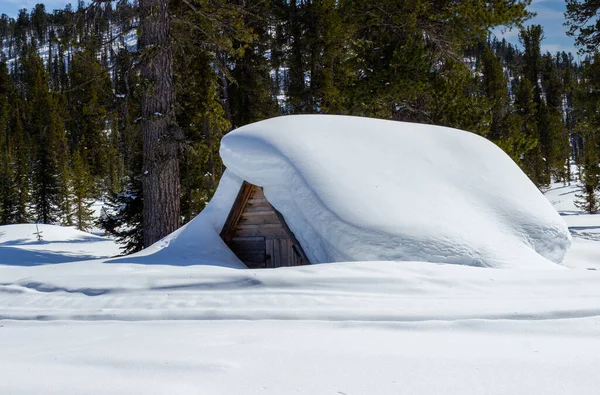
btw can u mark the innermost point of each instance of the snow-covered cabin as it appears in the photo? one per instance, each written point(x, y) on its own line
point(258, 234)
point(322, 188)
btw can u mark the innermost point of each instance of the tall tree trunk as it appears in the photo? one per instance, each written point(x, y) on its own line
point(160, 185)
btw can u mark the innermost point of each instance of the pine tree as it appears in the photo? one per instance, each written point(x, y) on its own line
point(122, 216)
point(457, 101)
point(569, 84)
point(554, 136)
point(582, 20)
point(250, 98)
point(495, 87)
point(8, 195)
point(218, 83)
point(22, 167)
point(65, 195)
point(47, 132)
point(526, 110)
point(587, 198)
point(82, 190)
point(507, 128)
point(89, 99)
point(298, 96)
point(529, 104)
point(587, 98)
point(395, 50)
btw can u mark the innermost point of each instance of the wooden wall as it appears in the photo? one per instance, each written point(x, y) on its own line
point(258, 234)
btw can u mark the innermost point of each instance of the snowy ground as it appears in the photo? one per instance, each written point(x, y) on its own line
point(359, 328)
point(585, 228)
point(347, 328)
point(20, 246)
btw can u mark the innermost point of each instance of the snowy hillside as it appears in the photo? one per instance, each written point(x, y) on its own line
point(585, 228)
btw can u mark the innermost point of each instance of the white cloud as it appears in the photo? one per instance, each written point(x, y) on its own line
point(12, 7)
point(550, 14)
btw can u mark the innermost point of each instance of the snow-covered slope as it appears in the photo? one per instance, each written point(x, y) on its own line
point(198, 242)
point(359, 189)
point(20, 246)
point(585, 228)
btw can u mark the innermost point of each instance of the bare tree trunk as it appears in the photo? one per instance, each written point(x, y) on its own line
point(160, 185)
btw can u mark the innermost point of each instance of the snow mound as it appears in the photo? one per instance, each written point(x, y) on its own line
point(19, 245)
point(198, 242)
point(360, 189)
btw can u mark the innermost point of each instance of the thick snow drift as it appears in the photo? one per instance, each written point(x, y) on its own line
point(359, 189)
point(198, 242)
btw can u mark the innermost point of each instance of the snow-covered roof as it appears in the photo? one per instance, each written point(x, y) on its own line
point(360, 189)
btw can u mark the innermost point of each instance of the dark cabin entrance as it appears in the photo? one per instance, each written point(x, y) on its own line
point(258, 234)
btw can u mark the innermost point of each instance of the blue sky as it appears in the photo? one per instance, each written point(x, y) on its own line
point(12, 7)
point(550, 16)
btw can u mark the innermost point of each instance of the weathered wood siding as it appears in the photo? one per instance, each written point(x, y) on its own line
point(257, 233)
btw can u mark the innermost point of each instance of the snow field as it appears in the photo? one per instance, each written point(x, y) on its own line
point(279, 357)
point(347, 328)
point(361, 291)
point(19, 245)
point(178, 318)
point(584, 252)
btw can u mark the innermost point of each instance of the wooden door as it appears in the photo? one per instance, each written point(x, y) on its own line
point(258, 234)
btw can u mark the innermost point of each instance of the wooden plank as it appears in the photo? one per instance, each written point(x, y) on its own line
point(257, 246)
point(259, 226)
point(254, 207)
point(276, 253)
point(272, 221)
point(251, 257)
point(258, 193)
point(291, 254)
point(228, 230)
point(295, 258)
point(269, 219)
point(291, 235)
point(254, 200)
point(285, 253)
point(289, 260)
point(269, 252)
point(258, 213)
point(269, 233)
point(247, 238)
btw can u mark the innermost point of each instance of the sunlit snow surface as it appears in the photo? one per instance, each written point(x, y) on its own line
point(353, 328)
point(585, 228)
point(361, 189)
point(170, 320)
point(20, 245)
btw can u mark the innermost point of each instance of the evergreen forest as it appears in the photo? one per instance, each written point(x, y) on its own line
point(71, 93)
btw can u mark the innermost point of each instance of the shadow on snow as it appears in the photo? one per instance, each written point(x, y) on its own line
point(13, 256)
